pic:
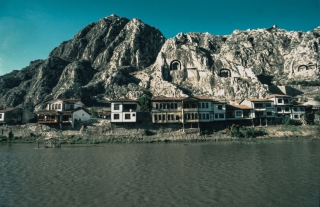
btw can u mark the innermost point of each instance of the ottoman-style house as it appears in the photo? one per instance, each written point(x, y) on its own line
point(63, 111)
point(124, 110)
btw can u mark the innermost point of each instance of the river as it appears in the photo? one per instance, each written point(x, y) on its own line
point(262, 173)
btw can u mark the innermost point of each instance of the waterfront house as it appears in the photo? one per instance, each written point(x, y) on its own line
point(205, 109)
point(124, 110)
point(63, 111)
point(10, 115)
point(298, 111)
point(219, 110)
point(166, 109)
point(237, 112)
point(262, 110)
point(282, 105)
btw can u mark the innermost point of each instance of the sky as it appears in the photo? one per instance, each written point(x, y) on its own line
point(30, 29)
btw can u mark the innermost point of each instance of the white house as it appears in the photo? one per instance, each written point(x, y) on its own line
point(205, 109)
point(282, 106)
point(298, 111)
point(124, 110)
point(63, 111)
point(219, 110)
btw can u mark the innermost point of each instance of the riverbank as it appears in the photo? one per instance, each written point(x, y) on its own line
point(107, 133)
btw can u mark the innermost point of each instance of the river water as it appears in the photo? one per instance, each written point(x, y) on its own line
point(263, 173)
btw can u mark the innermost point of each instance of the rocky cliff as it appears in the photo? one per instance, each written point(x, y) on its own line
point(117, 57)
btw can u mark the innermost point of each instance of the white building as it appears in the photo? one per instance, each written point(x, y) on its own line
point(205, 109)
point(63, 111)
point(124, 110)
point(219, 110)
point(282, 106)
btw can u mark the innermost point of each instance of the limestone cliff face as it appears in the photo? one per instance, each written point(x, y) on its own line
point(117, 57)
point(239, 65)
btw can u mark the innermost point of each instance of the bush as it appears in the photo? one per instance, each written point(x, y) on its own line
point(287, 121)
point(147, 132)
point(251, 132)
point(236, 131)
point(317, 98)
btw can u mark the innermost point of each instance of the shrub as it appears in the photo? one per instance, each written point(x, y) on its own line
point(236, 131)
point(147, 132)
point(317, 98)
point(287, 121)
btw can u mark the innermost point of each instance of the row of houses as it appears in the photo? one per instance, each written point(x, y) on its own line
point(200, 109)
point(188, 111)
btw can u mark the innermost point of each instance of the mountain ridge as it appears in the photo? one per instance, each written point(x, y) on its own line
point(117, 57)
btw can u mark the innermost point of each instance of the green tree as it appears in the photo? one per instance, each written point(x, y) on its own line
point(93, 112)
point(145, 101)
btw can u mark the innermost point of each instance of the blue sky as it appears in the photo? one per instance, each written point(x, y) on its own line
point(29, 30)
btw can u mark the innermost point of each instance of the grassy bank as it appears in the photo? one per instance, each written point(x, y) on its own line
point(233, 133)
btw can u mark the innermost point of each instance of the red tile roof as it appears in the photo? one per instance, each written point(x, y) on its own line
point(259, 100)
point(164, 98)
point(237, 107)
point(123, 100)
point(278, 95)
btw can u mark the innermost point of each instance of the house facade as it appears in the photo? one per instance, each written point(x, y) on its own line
point(63, 111)
point(282, 106)
point(124, 110)
point(166, 110)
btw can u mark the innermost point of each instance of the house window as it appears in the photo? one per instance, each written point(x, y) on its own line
point(199, 105)
point(207, 116)
point(156, 106)
point(155, 117)
point(202, 105)
point(71, 106)
point(203, 116)
point(115, 116)
point(127, 116)
point(246, 113)
point(268, 104)
point(116, 106)
point(161, 106)
point(301, 109)
point(159, 117)
point(295, 109)
point(216, 116)
point(169, 117)
point(221, 116)
point(207, 105)
point(286, 101)
point(192, 116)
point(280, 100)
point(258, 105)
point(219, 107)
point(238, 113)
point(163, 117)
point(296, 116)
point(269, 113)
point(172, 117)
point(286, 109)
point(0, 116)
point(175, 105)
point(196, 116)
point(172, 106)
point(177, 117)
point(279, 109)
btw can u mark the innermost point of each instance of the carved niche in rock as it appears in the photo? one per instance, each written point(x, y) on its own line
point(225, 73)
point(308, 66)
point(175, 65)
point(176, 73)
